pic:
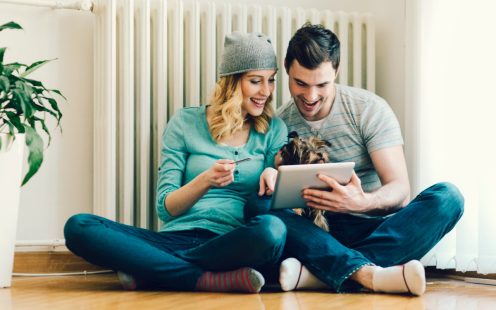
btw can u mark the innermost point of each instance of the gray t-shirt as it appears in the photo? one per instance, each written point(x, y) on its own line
point(359, 123)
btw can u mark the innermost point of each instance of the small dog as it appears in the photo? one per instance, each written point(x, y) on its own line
point(306, 151)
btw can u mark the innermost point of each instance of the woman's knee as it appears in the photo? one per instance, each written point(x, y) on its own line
point(76, 226)
point(270, 229)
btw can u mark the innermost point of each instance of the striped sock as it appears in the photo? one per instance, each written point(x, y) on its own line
point(241, 280)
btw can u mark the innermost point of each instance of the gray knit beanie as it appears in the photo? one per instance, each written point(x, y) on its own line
point(246, 52)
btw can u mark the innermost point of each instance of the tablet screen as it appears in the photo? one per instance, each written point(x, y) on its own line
point(292, 179)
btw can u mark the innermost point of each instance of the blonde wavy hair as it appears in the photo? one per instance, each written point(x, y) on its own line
point(227, 111)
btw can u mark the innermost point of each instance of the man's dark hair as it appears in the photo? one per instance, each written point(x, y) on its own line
point(312, 45)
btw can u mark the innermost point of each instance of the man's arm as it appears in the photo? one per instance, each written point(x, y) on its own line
point(390, 165)
point(394, 193)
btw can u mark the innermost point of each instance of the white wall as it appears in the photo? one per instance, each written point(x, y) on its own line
point(63, 185)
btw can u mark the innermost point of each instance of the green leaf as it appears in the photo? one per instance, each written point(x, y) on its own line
point(16, 121)
point(13, 105)
point(10, 25)
point(4, 84)
point(35, 66)
point(55, 107)
point(11, 126)
point(35, 157)
point(41, 107)
point(34, 82)
point(58, 93)
point(9, 68)
point(25, 87)
point(25, 103)
point(45, 129)
point(2, 52)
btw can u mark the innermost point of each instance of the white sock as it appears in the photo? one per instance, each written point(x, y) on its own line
point(293, 275)
point(407, 278)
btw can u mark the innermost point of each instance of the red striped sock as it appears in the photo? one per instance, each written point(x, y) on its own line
point(241, 280)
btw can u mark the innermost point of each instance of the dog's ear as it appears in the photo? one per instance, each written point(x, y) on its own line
point(292, 134)
point(327, 143)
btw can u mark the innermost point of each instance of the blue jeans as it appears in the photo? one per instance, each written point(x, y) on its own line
point(354, 242)
point(174, 260)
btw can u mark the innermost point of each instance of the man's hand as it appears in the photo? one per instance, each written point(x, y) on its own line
point(267, 181)
point(341, 198)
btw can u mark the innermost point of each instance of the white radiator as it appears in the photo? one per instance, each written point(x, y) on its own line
point(153, 57)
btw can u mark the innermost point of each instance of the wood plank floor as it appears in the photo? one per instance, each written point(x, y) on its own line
point(104, 292)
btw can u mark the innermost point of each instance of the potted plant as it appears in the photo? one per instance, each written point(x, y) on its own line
point(25, 106)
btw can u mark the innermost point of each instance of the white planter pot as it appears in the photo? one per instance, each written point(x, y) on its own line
point(10, 189)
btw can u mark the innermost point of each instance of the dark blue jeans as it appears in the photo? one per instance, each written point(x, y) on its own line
point(174, 260)
point(353, 242)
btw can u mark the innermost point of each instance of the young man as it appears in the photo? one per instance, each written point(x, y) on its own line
point(377, 235)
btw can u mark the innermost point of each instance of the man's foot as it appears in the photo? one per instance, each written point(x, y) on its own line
point(293, 275)
point(407, 278)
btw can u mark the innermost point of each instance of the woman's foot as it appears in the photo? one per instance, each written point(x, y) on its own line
point(246, 280)
point(293, 275)
point(127, 281)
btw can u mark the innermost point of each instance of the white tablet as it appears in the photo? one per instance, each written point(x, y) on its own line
point(292, 179)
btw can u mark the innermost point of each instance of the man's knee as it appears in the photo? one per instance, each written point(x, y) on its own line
point(448, 200)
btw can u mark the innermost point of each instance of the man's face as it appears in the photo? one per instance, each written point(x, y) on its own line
point(313, 90)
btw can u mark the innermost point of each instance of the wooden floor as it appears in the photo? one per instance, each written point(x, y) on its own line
point(104, 292)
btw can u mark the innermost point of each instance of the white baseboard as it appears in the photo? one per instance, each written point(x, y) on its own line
point(55, 245)
point(473, 280)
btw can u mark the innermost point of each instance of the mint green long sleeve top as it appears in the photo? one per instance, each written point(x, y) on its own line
point(188, 149)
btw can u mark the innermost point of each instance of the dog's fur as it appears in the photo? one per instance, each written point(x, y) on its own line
point(307, 151)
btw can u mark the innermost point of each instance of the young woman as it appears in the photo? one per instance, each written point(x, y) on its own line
point(204, 243)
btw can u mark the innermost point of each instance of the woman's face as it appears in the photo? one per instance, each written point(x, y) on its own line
point(256, 87)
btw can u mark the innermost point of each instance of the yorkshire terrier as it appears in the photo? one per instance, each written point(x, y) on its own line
point(297, 151)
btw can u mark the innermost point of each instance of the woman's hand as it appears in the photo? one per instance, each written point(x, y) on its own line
point(220, 174)
point(267, 181)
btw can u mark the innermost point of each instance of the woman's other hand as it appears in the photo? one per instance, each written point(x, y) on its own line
point(267, 181)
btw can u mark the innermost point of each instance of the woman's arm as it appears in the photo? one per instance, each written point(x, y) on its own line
point(173, 196)
point(182, 199)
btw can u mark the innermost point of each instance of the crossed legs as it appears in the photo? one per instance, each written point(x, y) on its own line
point(180, 260)
point(357, 247)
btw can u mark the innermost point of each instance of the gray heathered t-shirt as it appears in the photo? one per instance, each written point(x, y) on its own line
point(359, 123)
